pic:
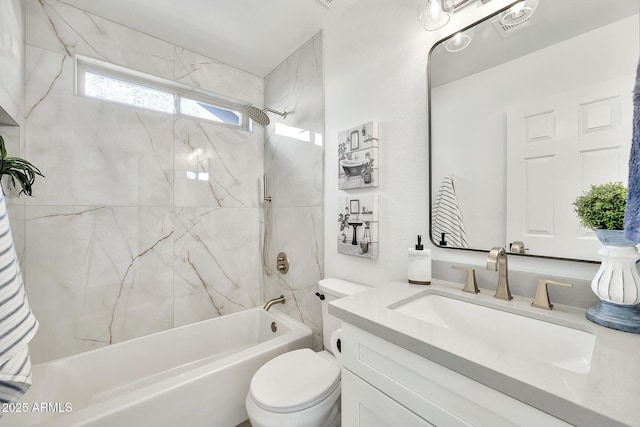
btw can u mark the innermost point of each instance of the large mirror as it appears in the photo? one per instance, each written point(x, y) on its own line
point(527, 110)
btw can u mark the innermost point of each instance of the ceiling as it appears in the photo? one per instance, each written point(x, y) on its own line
point(253, 35)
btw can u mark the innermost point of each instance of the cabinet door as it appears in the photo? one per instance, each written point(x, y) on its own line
point(434, 393)
point(365, 406)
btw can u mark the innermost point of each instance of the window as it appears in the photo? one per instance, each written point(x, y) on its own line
point(124, 92)
point(203, 110)
point(100, 80)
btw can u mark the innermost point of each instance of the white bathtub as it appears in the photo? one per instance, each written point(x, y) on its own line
point(192, 376)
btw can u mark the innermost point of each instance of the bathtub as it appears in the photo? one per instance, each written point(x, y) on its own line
point(191, 376)
point(353, 167)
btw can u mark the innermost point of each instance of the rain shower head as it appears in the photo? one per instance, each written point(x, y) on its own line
point(260, 117)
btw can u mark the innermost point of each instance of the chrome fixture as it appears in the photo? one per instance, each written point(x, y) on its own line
point(282, 263)
point(260, 117)
point(470, 283)
point(542, 293)
point(266, 232)
point(271, 302)
point(435, 14)
point(497, 261)
point(517, 247)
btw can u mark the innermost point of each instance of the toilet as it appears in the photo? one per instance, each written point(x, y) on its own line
point(301, 388)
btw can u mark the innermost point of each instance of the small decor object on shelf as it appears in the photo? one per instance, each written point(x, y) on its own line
point(617, 282)
point(20, 173)
point(362, 223)
point(357, 154)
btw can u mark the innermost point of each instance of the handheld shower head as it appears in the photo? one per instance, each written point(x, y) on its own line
point(259, 116)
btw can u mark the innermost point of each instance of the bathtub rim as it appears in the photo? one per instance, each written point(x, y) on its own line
point(92, 412)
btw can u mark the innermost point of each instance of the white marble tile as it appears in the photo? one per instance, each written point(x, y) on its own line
point(216, 77)
point(216, 166)
point(300, 68)
point(12, 57)
point(93, 152)
point(296, 166)
point(298, 232)
point(216, 262)
point(57, 27)
point(97, 275)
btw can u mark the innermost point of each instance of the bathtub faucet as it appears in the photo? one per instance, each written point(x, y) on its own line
point(279, 300)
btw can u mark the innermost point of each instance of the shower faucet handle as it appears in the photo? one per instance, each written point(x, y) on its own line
point(282, 263)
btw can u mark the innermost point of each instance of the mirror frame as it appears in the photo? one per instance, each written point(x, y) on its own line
point(429, 152)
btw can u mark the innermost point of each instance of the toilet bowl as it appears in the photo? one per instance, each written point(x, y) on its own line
point(301, 388)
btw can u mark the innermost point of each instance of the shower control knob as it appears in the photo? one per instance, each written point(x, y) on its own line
point(319, 295)
point(282, 263)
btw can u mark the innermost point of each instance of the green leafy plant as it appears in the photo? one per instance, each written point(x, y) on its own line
point(603, 206)
point(20, 171)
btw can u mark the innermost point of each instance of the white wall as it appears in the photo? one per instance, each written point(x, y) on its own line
point(375, 68)
point(295, 171)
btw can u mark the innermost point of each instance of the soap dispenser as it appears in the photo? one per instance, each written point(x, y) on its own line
point(419, 264)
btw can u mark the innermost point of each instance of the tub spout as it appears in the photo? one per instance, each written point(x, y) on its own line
point(279, 300)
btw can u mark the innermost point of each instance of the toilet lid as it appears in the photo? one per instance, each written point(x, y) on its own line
point(294, 381)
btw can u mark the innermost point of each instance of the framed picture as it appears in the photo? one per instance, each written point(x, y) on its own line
point(354, 206)
point(358, 226)
point(358, 157)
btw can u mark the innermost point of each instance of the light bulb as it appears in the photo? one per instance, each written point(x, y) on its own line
point(433, 15)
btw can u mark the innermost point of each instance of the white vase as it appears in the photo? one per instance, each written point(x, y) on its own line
point(617, 283)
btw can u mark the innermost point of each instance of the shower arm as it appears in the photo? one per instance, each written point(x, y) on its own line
point(284, 115)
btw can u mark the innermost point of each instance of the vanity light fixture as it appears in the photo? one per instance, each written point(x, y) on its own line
point(435, 14)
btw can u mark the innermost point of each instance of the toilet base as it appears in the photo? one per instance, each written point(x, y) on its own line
point(325, 414)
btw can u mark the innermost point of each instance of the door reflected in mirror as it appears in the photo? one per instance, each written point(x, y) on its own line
point(532, 112)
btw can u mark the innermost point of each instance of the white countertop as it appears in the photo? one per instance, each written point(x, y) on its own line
point(608, 395)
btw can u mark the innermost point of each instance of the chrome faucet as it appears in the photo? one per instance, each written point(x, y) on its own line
point(279, 300)
point(497, 261)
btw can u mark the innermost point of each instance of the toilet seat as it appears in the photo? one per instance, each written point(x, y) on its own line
point(294, 381)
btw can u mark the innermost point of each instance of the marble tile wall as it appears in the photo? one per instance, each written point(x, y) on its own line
point(118, 242)
point(295, 169)
point(12, 58)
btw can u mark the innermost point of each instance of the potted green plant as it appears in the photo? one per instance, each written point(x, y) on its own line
point(602, 208)
point(22, 174)
point(617, 281)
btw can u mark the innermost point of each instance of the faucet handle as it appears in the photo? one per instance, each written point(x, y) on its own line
point(470, 283)
point(542, 294)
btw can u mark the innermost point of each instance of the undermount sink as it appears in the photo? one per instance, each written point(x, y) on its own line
point(559, 345)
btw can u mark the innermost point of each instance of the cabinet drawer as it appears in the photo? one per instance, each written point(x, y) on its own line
point(439, 395)
point(366, 406)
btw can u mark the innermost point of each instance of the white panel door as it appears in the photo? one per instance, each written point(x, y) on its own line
point(557, 147)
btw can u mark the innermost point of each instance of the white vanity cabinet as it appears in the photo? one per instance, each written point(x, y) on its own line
point(384, 384)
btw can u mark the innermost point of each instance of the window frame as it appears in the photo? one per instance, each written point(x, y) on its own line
point(84, 64)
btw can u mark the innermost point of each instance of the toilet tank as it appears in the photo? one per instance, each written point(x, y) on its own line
point(333, 289)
